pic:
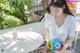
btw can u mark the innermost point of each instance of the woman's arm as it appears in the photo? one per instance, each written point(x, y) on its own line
point(71, 35)
point(47, 37)
point(67, 44)
point(47, 26)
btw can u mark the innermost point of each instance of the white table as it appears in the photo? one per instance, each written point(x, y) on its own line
point(26, 41)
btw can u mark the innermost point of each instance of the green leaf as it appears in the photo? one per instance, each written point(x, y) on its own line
point(1, 19)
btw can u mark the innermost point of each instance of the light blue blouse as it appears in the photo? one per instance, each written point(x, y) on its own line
point(63, 32)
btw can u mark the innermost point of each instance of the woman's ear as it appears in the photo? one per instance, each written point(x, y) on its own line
point(64, 7)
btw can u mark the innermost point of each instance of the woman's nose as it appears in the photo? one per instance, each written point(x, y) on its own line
point(56, 11)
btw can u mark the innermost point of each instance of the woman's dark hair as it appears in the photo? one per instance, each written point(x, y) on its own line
point(60, 4)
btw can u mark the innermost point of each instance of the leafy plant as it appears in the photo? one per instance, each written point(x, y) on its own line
point(17, 8)
point(14, 12)
point(1, 21)
point(9, 21)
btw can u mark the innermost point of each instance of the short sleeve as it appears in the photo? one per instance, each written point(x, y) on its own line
point(46, 20)
point(72, 28)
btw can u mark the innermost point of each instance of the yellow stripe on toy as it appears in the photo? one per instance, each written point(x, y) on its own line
point(49, 45)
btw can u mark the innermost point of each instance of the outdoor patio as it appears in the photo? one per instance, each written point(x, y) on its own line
point(38, 27)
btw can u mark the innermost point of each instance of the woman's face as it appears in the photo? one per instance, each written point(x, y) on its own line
point(56, 11)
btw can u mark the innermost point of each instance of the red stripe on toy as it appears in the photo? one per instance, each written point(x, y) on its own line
point(59, 49)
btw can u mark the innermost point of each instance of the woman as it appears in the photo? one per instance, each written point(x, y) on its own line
point(61, 23)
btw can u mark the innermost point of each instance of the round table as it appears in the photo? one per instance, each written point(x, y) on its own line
point(26, 41)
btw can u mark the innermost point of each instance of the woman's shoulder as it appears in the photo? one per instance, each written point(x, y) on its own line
point(71, 18)
point(47, 16)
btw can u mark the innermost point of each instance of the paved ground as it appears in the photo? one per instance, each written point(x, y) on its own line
point(77, 50)
point(78, 47)
point(78, 41)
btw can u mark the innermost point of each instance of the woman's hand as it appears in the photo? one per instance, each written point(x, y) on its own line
point(58, 51)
